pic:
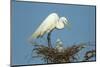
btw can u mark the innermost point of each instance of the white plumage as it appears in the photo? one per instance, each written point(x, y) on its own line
point(59, 46)
point(50, 23)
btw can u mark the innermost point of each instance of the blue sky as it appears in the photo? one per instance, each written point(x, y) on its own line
point(26, 17)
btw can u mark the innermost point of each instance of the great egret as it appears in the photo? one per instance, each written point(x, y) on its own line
point(53, 21)
point(59, 46)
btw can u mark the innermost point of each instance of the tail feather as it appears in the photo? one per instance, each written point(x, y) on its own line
point(36, 35)
point(32, 38)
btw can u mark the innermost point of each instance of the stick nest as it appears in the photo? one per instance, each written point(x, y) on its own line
point(51, 55)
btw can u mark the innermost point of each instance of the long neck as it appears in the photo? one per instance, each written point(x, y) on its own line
point(60, 24)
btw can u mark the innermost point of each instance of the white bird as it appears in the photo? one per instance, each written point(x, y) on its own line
point(59, 46)
point(53, 21)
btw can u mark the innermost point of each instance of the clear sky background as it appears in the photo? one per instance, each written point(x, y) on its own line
point(27, 16)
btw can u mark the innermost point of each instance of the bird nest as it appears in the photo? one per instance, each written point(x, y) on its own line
point(51, 55)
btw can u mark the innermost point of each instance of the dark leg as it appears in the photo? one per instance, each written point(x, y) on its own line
point(49, 40)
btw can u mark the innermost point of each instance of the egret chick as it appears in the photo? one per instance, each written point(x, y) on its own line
point(59, 46)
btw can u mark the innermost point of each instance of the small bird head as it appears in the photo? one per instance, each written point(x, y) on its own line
point(59, 43)
point(65, 21)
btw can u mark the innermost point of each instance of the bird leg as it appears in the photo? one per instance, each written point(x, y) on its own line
point(49, 39)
